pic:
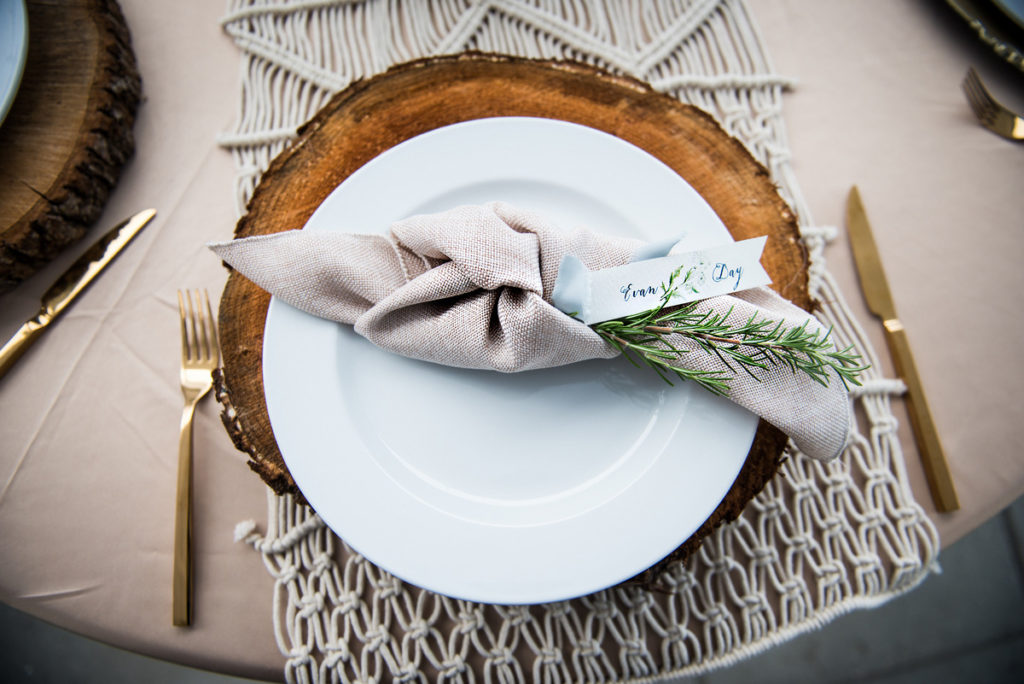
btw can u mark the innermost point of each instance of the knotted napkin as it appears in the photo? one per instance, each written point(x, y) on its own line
point(471, 287)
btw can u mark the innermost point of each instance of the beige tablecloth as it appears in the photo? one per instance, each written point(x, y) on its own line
point(89, 416)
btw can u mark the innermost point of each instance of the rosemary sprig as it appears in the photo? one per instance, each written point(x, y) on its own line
point(755, 344)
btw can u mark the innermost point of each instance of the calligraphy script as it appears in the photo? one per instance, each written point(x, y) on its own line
point(629, 292)
point(723, 271)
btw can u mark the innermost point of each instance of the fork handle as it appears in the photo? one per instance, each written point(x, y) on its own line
point(182, 592)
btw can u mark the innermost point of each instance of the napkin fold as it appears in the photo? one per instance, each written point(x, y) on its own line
point(471, 287)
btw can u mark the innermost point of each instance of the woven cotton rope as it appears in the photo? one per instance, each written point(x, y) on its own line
point(819, 541)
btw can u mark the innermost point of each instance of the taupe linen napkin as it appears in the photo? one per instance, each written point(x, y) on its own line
point(471, 288)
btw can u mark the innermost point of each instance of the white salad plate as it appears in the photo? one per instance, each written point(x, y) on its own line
point(503, 488)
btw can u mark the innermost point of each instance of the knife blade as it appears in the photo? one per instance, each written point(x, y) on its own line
point(71, 284)
point(876, 291)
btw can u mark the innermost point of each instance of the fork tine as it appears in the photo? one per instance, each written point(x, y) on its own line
point(981, 96)
point(970, 86)
point(206, 316)
point(981, 101)
point(981, 114)
point(968, 78)
point(195, 349)
point(184, 327)
point(972, 98)
point(193, 338)
point(213, 346)
point(986, 97)
point(971, 79)
point(199, 326)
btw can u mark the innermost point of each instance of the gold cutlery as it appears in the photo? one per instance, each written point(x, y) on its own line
point(992, 114)
point(200, 355)
point(879, 301)
point(70, 285)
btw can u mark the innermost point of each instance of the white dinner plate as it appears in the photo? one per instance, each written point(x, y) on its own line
point(13, 50)
point(503, 488)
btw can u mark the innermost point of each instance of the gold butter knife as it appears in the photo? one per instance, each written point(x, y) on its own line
point(879, 300)
point(71, 284)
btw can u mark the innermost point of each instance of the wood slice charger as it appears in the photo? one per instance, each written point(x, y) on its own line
point(68, 133)
point(373, 115)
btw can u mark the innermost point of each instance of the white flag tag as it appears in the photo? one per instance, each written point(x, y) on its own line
point(596, 296)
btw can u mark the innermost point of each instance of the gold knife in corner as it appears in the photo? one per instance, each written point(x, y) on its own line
point(879, 301)
point(71, 284)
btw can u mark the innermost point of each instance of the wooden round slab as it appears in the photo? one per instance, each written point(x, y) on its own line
point(372, 116)
point(68, 133)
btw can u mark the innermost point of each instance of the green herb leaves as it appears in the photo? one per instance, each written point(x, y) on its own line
point(750, 346)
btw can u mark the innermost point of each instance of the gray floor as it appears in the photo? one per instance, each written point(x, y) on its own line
point(965, 625)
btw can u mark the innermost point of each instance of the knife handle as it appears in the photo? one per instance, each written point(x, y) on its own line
point(17, 345)
point(936, 469)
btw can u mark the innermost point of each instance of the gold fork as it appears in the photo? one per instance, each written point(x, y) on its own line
point(200, 355)
point(990, 112)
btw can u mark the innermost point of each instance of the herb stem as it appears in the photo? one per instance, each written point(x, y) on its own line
point(666, 330)
point(768, 343)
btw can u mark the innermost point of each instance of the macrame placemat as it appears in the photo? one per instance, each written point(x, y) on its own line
point(820, 540)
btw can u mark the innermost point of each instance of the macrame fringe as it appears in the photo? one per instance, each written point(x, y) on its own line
point(819, 541)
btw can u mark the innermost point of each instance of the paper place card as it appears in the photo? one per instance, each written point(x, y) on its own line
point(596, 296)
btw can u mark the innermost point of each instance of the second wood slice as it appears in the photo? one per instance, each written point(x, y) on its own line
point(68, 133)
